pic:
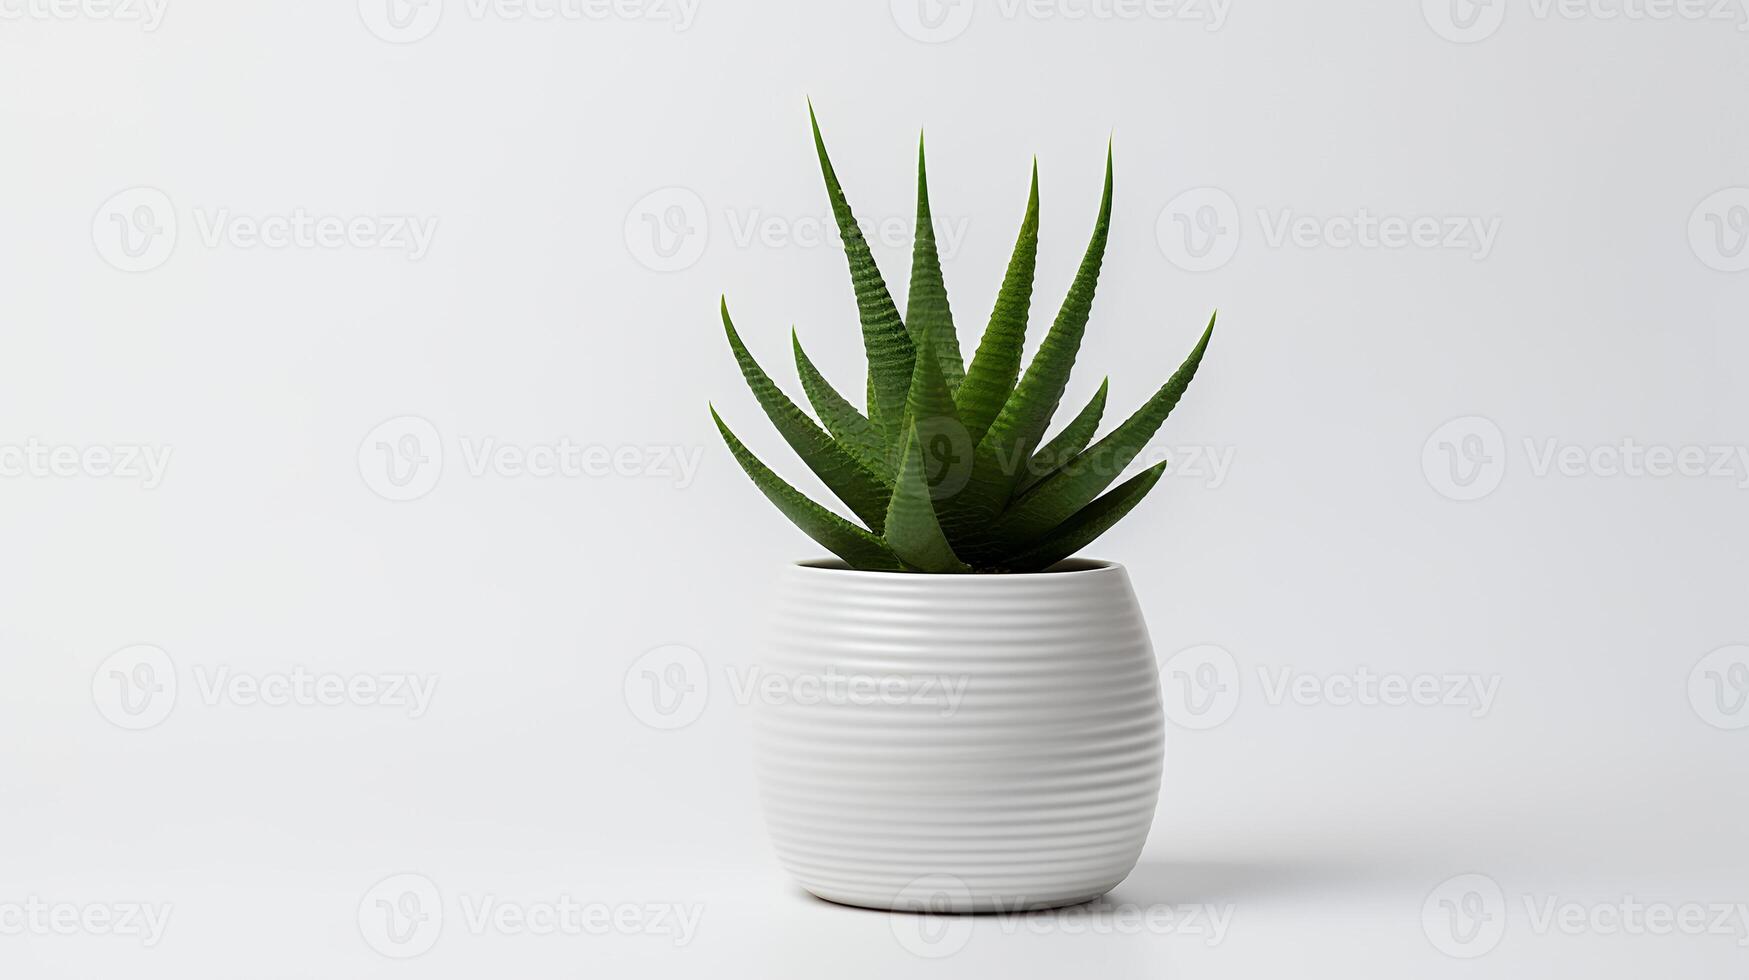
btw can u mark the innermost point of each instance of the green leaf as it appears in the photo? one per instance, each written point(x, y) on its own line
point(926, 308)
point(856, 546)
point(1068, 443)
point(1082, 478)
point(859, 487)
point(884, 338)
point(1087, 524)
point(913, 532)
point(996, 365)
point(961, 480)
point(927, 400)
point(1027, 414)
point(846, 424)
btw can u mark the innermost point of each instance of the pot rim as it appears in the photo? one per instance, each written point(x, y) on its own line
point(1066, 568)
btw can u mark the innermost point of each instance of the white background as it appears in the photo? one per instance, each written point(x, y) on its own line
point(589, 184)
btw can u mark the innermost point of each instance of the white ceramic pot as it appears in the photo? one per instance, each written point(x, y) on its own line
point(965, 743)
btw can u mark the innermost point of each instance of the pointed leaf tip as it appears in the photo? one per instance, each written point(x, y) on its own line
point(852, 481)
point(1088, 523)
point(819, 141)
point(1078, 482)
point(856, 546)
point(1020, 425)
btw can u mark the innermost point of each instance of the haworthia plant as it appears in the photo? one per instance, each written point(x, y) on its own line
point(949, 469)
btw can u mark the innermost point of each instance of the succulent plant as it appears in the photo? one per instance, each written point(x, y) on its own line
point(949, 469)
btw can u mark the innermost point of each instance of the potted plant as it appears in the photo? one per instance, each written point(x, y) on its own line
point(982, 727)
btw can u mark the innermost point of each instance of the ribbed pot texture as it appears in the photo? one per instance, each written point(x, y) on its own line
point(961, 743)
